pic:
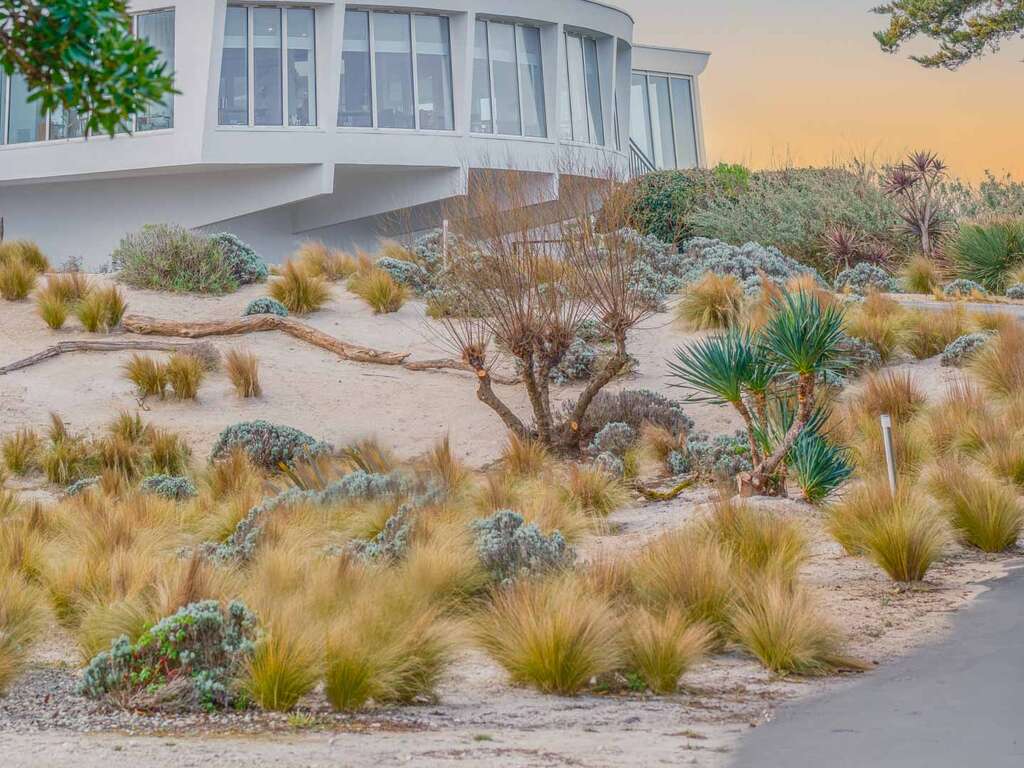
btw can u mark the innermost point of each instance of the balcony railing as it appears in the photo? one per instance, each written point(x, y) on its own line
point(639, 163)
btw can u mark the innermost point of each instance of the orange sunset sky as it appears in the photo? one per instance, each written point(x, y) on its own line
point(803, 82)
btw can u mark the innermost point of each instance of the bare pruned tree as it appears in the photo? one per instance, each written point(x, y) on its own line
point(529, 267)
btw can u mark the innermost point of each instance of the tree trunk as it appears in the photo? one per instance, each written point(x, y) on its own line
point(568, 437)
point(485, 394)
point(762, 480)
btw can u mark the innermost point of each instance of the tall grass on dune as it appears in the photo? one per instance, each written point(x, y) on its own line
point(999, 364)
point(984, 512)
point(17, 279)
point(22, 622)
point(18, 450)
point(907, 540)
point(52, 309)
point(185, 374)
point(284, 667)
point(921, 275)
point(896, 393)
point(243, 370)
point(714, 301)
point(662, 648)
point(24, 251)
point(379, 290)
point(299, 289)
point(762, 542)
point(553, 634)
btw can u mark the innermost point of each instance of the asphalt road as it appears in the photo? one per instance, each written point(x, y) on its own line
point(958, 704)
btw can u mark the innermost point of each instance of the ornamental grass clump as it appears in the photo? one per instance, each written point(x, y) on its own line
point(921, 275)
point(243, 370)
point(786, 631)
point(325, 262)
point(298, 289)
point(23, 619)
point(999, 364)
point(17, 279)
point(661, 649)
point(896, 393)
point(927, 333)
point(52, 309)
point(985, 513)
point(18, 450)
point(148, 374)
point(101, 309)
point(379, 290)
point(523, 457)
point(283, 667)
point(551, 634)
point(714, 301)
point(24, 251)
point(185, 374)
point(593, 490)
point(758, 541)
point(690, 571)
point(877, 320)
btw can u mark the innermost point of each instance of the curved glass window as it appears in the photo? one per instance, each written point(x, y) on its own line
point(661, 120)
point(582, 113)
point(157, 29)
point(396, 71)
point(508, 80)
point(268, 67)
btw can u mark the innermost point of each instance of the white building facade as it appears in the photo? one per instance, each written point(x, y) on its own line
point(342, 121)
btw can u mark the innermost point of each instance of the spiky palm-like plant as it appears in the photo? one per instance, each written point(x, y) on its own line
point(782, 362)
point(988, 253)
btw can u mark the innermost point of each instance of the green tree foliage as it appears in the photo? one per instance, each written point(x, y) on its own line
point(81, 55)
point(963, 29)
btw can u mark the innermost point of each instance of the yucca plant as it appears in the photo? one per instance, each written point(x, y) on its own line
point(799, 343)
point(987, 253)
point(818, 466)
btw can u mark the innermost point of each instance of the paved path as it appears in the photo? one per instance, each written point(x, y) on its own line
point(958, 704)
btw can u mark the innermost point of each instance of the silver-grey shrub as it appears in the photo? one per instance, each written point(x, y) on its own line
point(169, 257)
point(963, 287)
point(264, 305)
point(268, 445)
point(1015, 291)
point(863, 278)
point(509, 547)
point(959, 350)
point(169, 486)
point(246, 266)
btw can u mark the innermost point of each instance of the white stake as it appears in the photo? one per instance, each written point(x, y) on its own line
point(890, 454)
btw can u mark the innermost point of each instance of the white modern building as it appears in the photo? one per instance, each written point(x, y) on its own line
point(334, 120)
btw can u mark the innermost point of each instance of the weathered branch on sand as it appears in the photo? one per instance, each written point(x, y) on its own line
point(449, 363)
point(151, 326)
point(202, 349)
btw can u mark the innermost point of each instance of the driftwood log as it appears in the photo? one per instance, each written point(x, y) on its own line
point(151, 326)
point(201, 349)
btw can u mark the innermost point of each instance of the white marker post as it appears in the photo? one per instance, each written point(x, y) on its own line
point(890, 454)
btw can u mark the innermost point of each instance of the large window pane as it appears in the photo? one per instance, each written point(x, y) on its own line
point(266, 66)
point(506, 78)
point(158, 30)
point(480, 118)
point(25, 122)
point(639, 115)
point(564, 101)
point(355, 108)
point(686, 135)
point(301, 67)
point(595, 112)
point(233, 104)
point(661, 122)
point(577, 87)
point(65, 123)
point(531, 78)
point(392, 47)
point(433, 73)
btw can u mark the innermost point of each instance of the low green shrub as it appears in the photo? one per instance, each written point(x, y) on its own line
point(241, 260)
point(168, 257)
point(988, 253)
point(265, 305)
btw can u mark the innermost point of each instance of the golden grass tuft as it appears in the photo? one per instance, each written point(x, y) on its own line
point(762, 542)
point(299, 289)
point(369, 455)
point(848, 519)
point(903, 537)
point(684, 568)
point(386, 649)
point(69, 286)
point(999, 364)
point(284, 667)
point(243, 368)
point(101, 309)
point(231, 474)
point(660, 649)
point(896, 393)
point(921, 275)
point(392, 249)
point(523, 457)
point(961, 421)
point(985, 513)
point(104, 621)
point(52, 309)
point(18, 450)
point(551, 634)
point(148, 374)
point(379, 290)
point(927, 333)
point(63, 461)
point(443, 464)
point(714, 301)
point(17, 279)
point(185, 374)
point(593, 490)
point(129, 427)
point(786, 631)
point(23, 619)
point(25, 251)
point(320, 260)
point(121, 456)
point(880, 327)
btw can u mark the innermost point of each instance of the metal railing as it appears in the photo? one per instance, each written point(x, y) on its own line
point(639, 163)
